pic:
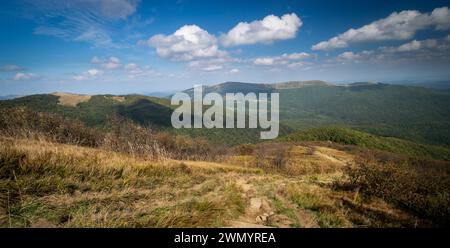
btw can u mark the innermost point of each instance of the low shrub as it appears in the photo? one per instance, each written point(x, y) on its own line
point(416, 185)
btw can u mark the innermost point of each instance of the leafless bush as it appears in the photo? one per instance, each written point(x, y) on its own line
point(127, 137)
point(121, 135)
point(23, 123)
point(419, 186)
point(260, 156)
point(272, 156)
point(245, 149)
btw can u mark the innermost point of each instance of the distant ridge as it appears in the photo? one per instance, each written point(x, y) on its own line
point(8, 97)
point(234, 87)
point(298, 84)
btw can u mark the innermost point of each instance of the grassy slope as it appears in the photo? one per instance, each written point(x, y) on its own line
point(352, 137)
point(99, 108)
point(46, 184)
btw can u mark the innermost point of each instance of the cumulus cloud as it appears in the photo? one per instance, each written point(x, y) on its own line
point(110, 63)
point(264, 61)
point(397, 26)
point(413, 51)
point(234, 71)
point(349, 56)
point(188, 43)
point(284, 59)
point(212, 67)
point(131, 66)
point(417, 45)
point(89, 74)
point(25, 76)
point(134, 71)
point(213, 64)
point(94, 72)
point(267, 30)
point(11, 68)
point(429, 46)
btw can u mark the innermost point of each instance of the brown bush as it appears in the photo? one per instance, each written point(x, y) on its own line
point(419, 186)
point(127, 137)
point(120, 135)
point(272, 156)
point(245, 149)
point(23, 123)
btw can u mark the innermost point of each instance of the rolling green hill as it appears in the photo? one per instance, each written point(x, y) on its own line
point(412, 113)
point(96, 111)
point(348, 136)
point(407, 112)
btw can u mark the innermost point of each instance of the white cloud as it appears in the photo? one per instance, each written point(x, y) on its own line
point(284, 59)
point(89, 74)
point(234, 71)
point(80, 20)
point(441, 18)
point(267, 30)
point(417, 45)
point(115, 9)
point(414, 51)
point(134, 70)
point(188, 43)
point(114, 60)
point(9, 68)
point(94, 72)
point(208, 65)
point(110, 64)
point(397, 26)
point(294, 56)
point(25, 76)
point(349, 56)
point(131, 66)
point(79, 77)
point(301, 64)
point(264, 61)
point(213, 64)
point(212, 67)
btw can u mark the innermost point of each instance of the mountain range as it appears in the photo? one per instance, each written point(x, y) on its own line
point(407, 112)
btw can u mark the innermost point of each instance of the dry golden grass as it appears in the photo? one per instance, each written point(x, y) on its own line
point(44, 184)
point(299, 160)
point(71, 100)
point(118, 98)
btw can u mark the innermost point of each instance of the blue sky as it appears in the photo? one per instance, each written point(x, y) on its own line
point(138, 46)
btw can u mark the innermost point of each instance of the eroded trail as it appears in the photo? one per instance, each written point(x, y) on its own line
point(269, 205)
